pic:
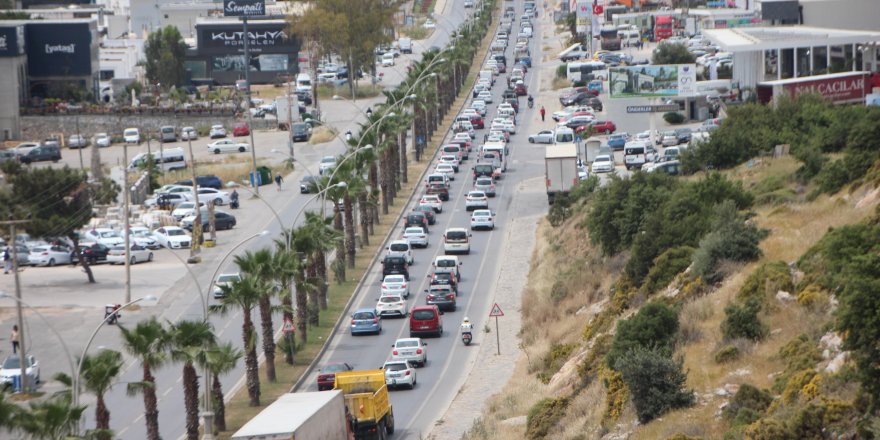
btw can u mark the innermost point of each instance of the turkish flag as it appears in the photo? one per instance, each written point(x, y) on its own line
point(598, 9)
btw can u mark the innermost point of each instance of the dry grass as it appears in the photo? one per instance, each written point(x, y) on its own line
point(560, 83)
point(322, 134)
point(328, 91)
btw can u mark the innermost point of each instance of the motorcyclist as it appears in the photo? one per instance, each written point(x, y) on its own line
point(531, 101)
point(233, 198)
point(466, 326)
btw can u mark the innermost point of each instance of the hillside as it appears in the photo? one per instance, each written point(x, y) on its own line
point(711, 306)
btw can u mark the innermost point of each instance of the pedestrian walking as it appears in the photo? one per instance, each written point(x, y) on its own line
point(278, 180)
point(543, 112)
point(7, 261)
point(15, 338)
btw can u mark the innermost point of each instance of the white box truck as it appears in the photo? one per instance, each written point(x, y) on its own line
point(405, 44)
point(287, 111)
point(315, 415)
point(560, 168)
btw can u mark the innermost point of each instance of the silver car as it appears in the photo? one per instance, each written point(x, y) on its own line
point(486, 185)
point(395, 285)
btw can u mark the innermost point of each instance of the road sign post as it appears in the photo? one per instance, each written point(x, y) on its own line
point(288, 337)
point(496, 312)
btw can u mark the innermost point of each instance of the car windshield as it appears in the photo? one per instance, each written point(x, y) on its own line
point(399, 247)
point(397, 366)
point(227, 278)
point(175, 232)
point(39, 249)
point(11, 362)
point(603, 159)
point(482, 213)
point(414, 231)
point(363, 315)
point(328, 160)
point(394, 279)
point(389, 299)
point(445, 263)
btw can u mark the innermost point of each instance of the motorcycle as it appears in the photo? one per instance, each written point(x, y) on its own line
point(531, 103)
point(466, 338)
point(233, 204)
point(111, 313)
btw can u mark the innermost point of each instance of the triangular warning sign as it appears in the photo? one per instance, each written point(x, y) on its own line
point(496, 311)
point(288, 326)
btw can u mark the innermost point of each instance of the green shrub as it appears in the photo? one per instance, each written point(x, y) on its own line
point(741, 321)
point(554, 359)
point(543, 416)
point(768, 429)
point(813, 297)
point(765, 281)
point(669, 264)
point(654, 326)
point(732, 238)
point(673, 118)
point(593, 361)
point(825, 263)
point(800, 353)
point(747, 398)
point(655, 382)
point(672, 54)
point(725, 354)
point(562, 70)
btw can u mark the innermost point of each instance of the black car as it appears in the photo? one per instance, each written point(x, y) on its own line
point(93, 253)
point(45, 152)
point(683, 134)
point(304, 97)
point(429, 213)
point(209, 181)
point(222, 220)
point(444, 278)
point(307, 184)
point(394, 265)
point(416, 218)
point(501, 58)
point(300, 132)
point(509, 93)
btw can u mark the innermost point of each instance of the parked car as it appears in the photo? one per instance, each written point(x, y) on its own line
point(93, 253)
point(102, 140)
point(603, 163)
point(228, 146)
point(77, 141)
point(241, 129)
point(189, 134)
point(173, 237)
point(49, 255)
point(617, 141)
point(307, 183)
point(105, 236)
point(327, 374)
point(41, 153)
point(222, 220)
point(131, 136)
point(208, 181)
point(365, 321)
point(217, 131)
point(143, 237)
point(604, 126)
point(136, 254)
point(300, 132)
point(327, 163)
point(11, 369)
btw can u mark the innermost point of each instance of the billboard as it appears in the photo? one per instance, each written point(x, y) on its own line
point(11, 41)
point(582, 15)
point(244, 8)
point(839, 88)
point(666, 80)
point(228, 38)
point(59, 49)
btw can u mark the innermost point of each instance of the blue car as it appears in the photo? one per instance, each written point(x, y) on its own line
point(365, 321)
point(525, 61)
point(617, 141)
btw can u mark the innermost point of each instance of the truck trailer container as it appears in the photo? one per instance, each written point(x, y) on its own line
point(299, 416)
point(561, 171)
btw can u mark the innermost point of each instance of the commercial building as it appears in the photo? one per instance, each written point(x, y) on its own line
point(62, 57)
point(219, 52)
point(13, 80)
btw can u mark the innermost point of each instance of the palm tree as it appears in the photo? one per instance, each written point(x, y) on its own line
point(98, 375)
point(285, 266)
point(9, 413)
point(188, 343)
point(259, 264)
point(220, 360)
point(147, 342)
point(53, 419)
point(244, 295)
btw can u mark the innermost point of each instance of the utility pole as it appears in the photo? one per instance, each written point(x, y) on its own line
point(22, 354)
point(197, 221)
point(82, 166)
point(289, 120)
point(247, 92)
point(126, 193)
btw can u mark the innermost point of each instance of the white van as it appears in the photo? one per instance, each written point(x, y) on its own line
point(447, 264)
point(635, 154)
point(563, 135)
point(587, 71)
point(168, 159)
point(303, 82)
point(629, 37)
point(487, 74)
point(457, 241)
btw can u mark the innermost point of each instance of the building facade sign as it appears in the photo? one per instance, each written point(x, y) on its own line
point(846, 89)
point(244, 8)
point(11, 41)
point(59, 49)
point(228, 39)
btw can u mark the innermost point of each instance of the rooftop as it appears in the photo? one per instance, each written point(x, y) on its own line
point(749, 39)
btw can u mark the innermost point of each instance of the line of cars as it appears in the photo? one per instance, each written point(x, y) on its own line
point(444, 276)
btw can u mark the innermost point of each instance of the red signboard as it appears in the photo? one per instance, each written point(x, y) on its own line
point(849, 88)
point(598, 10)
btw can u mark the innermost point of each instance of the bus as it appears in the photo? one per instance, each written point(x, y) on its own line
point(168, 159)
point(586, 71)
point(609, 37)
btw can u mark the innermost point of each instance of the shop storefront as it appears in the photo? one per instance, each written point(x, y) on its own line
point(219, 53)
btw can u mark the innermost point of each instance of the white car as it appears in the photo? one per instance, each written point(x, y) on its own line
point(602, 164)
point(429, 24)
point(173, 237)
point(433, 201)
point(463, 136)
point(228, 146)
point(136, 254)
point(668, 139)
point(217, 196)
point(102, 140)
point(188, 134)
point(327, 163)
point(476, 200)
point(392, 305)
point(401, 248)
point(11, 368)
point(224, 280)
point(568, 111)
point(451, 160)
point(400, 373)
point(486, 185)
point(480, 106)
point(410, 349)
point(185, 209)
point(542, 137)
point(482, 219)
point(217, 131)
point(388, 59)
point(131, 136)
point(106, 236)
point(445, 168)
point(395, 285)
point(172, 199)
point(485, 96)
point(172, 188)
point(142, 236)
point(48, 255)
point(416, 236)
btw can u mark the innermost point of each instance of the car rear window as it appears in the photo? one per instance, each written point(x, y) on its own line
point(420, 315)
point(399, 247)
point(389, 299)
point(446, 263)
point(363, 315)
point(456, 236)
point(396, 367)
point(483, 168)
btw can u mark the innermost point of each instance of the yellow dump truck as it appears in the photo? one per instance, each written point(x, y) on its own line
point(367, 404)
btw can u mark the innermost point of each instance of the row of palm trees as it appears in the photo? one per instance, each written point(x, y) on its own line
point(291, 278)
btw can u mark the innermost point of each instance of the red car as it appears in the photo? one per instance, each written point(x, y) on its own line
point(521, 89)
point(327, 375)
point(477, 121)
point(606, 127)
point(241, 129)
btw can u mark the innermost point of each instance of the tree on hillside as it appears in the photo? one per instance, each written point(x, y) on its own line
point(858, 320)
point(656, 381)
point(672, 54)
point(57, 202)
point(164, 53)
